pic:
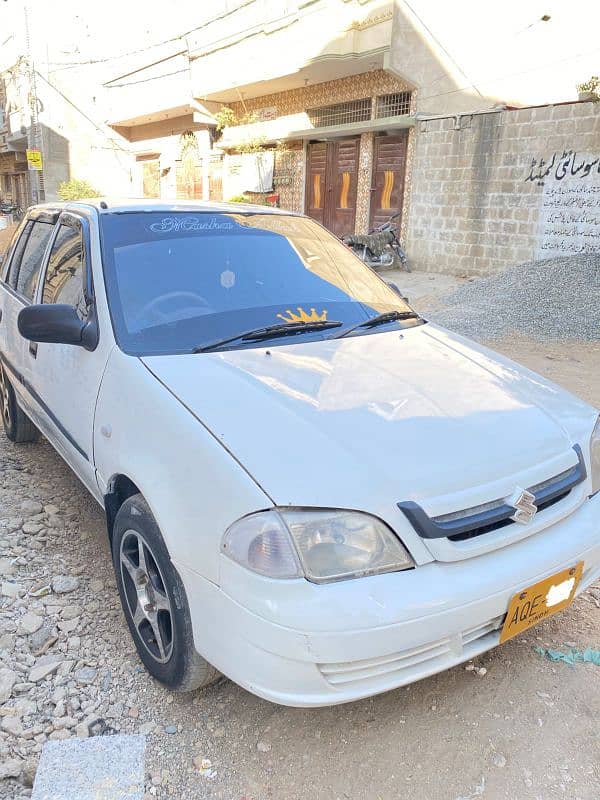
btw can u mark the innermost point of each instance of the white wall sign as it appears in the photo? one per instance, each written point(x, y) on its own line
point(569, 221)
point(248, 172)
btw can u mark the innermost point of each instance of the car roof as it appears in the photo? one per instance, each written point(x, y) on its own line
point(107, 205)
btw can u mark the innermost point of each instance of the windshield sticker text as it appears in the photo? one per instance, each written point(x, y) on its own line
point(169, 224)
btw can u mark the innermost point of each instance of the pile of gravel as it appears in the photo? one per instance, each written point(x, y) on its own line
point(556, 299)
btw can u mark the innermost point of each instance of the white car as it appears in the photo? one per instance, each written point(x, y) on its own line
point(308, 487)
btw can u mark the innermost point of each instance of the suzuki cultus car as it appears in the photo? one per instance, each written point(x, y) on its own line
point(308, 487)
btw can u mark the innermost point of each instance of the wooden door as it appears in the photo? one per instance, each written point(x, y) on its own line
point(331, 184)
point(316, 171)
point(387, 184)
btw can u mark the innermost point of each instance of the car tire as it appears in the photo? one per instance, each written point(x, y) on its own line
point(154, 601)
point(17, 425)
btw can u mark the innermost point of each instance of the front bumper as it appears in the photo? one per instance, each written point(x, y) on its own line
point(299, 644)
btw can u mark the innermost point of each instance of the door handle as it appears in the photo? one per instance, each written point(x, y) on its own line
point(33, 346)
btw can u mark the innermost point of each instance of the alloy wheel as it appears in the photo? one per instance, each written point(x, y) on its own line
point(4, 398)
point(146, 596)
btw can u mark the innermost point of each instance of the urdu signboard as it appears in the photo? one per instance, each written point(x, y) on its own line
point(569, 220)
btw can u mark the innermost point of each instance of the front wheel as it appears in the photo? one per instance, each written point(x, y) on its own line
point(154, 601)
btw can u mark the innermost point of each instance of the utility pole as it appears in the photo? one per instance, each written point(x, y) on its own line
point(37, 185)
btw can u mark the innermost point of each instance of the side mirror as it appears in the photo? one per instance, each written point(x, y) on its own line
point(56, 323)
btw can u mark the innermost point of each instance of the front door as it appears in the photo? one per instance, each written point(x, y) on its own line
point(387, 184)
point(63, 379)
point(331, 182)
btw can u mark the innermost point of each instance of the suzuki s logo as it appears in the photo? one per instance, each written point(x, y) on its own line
point(524, 504)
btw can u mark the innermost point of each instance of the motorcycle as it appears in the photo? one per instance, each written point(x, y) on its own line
point(380, 247)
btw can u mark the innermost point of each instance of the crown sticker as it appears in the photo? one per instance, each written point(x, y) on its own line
point(302, 316)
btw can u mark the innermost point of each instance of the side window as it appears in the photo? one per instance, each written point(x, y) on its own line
point(31, 259)
point(17, 254)
point(64, 276)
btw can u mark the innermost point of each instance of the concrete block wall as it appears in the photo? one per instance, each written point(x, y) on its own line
point(472, 209)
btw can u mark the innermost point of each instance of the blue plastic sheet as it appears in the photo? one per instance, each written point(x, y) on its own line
point(590, 655)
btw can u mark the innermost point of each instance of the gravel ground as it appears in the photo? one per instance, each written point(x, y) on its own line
point(557, 299)
point(518, 727)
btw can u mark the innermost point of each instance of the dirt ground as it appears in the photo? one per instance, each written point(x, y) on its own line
point(528, 729)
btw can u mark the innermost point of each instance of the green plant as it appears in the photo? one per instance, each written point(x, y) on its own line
point(76, 190)
point(592, 86)
point(239, 198)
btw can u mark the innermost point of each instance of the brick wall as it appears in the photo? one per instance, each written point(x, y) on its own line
point(472, 208)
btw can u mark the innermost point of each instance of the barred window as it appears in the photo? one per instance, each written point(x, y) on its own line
point(340, 113)
point(393, 105)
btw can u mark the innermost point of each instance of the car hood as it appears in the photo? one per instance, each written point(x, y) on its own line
point(369, 420)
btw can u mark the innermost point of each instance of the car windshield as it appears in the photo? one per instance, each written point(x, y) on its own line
point(178, 281)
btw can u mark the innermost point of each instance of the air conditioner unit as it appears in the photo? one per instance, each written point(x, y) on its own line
point(20, 157)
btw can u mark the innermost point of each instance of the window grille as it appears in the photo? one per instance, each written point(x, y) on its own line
point(340, 113)
point(393, 105)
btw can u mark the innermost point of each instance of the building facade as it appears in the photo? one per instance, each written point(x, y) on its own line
point(350, 111)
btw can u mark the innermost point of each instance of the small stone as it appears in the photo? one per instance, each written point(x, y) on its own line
point(96, 585)
point(70, 612)
point(31, 528)
point(6, 566)
point(7, 642)
point(51, 509)
point(85, 675)
point(14, 524)
point(12, 725)
point(29, 623)
point(8, 678)
point(41, 641)
point(133, 712)
point(481, 671)
point(58, 735)
point(147, 728)
point(10, 768)
point(64, 722)
point(62, 584)
point(43, 670)
point(470, 667)
point(263, 747)
point(10, 589)
point(171, 729)
point(29, 769)
point(31, 507)
point(498, 760)
point(69, 625)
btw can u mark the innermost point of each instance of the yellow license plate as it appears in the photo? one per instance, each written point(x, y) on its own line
point(540, 601)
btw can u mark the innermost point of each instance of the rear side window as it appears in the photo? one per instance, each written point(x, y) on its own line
point(64, 276)
point(17, 254)
point(31, 259)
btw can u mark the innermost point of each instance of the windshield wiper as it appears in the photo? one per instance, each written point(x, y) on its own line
point(270, 332)
point(380, 319)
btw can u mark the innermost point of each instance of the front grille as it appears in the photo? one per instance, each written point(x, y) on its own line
point(481, 519)
point(399, 667)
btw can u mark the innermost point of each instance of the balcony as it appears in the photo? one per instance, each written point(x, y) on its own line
point(309, 42)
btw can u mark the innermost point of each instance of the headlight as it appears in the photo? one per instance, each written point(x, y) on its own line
point(322, 546)
point(595, 457)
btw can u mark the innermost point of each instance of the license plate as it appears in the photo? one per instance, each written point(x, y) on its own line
point(542, 600)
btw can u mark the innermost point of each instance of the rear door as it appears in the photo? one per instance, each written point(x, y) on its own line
point(20, 276)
